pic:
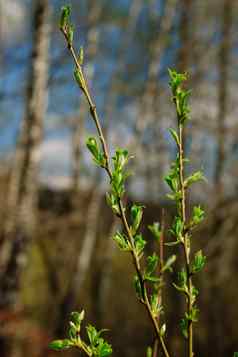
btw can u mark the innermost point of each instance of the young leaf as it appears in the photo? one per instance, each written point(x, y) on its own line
point(193, 315)
point(156, 308)
point(155, 230)
point(81, 56)
point(120, 159)
point(184, 327)
point(152, 262)
point(198, 215)
point(163, 330)
point(172, 244)
point(104, 349)
point(138, 287)
point(174, 136)
point(59, 345)
point(122, 242)
point(149, 352)
point(79, 78)
point(139, 245)
point(177, 228)
point(199, 262)
point(98, 346)
point(112, 202)
point(195, 177)
point(92, 334)
point(70, 33)
point(136, 216)
point(77, 317)
point(169, 263)
point(182, 277)
point(93, 147)
point(182, 282)
point(65, 14)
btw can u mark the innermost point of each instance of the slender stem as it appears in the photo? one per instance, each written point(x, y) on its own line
point(186, 241)
point(83, 346)
point(93, 111)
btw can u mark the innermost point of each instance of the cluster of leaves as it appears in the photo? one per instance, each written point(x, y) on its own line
point(65, 24)
point(96, 346)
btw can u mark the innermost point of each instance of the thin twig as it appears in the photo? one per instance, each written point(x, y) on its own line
point(185, 241)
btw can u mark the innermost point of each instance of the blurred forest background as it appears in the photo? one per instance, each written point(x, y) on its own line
point(56, 253)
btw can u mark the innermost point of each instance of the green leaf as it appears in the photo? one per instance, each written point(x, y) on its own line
point(169, 263)
point(171, 244)
point(119, 175)
point(118, 180)
point(193, 315)
point(79, 78)
point(59, 345)
point(73, 330)
point(155, 230)
point(199, 262)
point(184, 327)
point(176, 79)
point(174, 136)
point(139, 245)
point(77, 317)
point(194, 294)
point(93, 147)
point(195, 177)
point(99, 347)
point(70, 33)
point(156, 308)
point(163, 330)
point(65, 14)
point(182, 277)
point(172, 179)
point(81, 56)
point(182, 282)
point(180, 95)
point(138, 287)
point(198, 215)
point(149, 352)
point(172, 182)
point(152, 262)
point(92, 334)
point(136, 216)
point(112, 202)
point(104, 350)
point(120, 159)
point(177, 228)
point(152, 278)
point(122, 241)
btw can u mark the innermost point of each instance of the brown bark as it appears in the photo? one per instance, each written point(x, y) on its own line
point(21, 215)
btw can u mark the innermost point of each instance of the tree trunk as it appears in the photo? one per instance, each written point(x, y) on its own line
point(23, 187)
